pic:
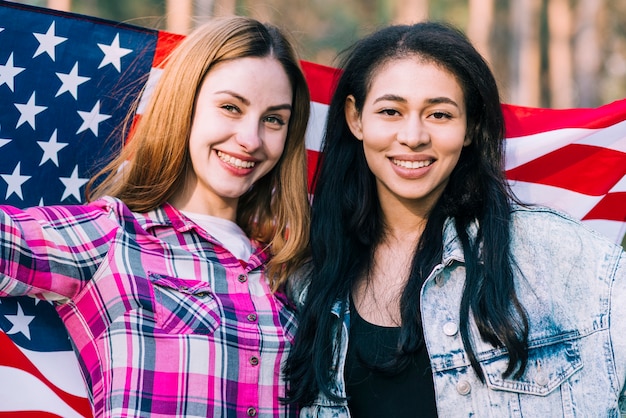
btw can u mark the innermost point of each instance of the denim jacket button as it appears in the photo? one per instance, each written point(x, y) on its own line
point(450, 329)
point(541, 379)
point(463, 387)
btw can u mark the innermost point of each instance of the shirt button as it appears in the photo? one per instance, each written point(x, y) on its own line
point(242, 278)
point(251, 412)
point(450, 329)
point(251, 317)
point(254, 360)
point(463, 387)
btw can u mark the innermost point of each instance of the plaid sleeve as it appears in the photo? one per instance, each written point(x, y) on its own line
point(51, 252)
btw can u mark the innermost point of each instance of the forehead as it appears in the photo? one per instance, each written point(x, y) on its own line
point(256, 75)
point(412, 74)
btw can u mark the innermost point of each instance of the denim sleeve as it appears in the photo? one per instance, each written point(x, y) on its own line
point(618, 327)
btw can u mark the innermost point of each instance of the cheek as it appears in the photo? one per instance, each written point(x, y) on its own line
point(275, 147)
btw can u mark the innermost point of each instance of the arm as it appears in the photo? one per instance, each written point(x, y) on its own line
point(50, 252)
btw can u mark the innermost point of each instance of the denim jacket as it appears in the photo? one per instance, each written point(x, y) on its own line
point(572, 284)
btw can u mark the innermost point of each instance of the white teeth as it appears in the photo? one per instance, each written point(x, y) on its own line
point(412, 164)
point(235, 162)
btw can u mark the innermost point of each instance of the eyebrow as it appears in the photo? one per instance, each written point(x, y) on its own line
point(400, 99)
point(285, 106)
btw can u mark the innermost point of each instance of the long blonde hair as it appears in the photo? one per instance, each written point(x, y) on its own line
point(154, 163)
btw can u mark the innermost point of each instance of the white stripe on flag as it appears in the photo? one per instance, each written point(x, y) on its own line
point(153, 78)
point(70, 381)
point(523, 149)
point(575, 204)
point(612, 137)
point(38, 397)
point(614, 230)
point(316, 126)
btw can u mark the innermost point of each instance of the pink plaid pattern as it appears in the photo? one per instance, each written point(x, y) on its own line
point(165, 322)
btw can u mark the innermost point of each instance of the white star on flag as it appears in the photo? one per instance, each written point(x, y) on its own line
point(71, 82)
point(92, 119)
point(113, 53)
point(15, 181)
point(28, 111)
point(20, 322)
point(73, 185)
point(8, 73)
point(3, 142)
point(47, 42)
point(51, 149)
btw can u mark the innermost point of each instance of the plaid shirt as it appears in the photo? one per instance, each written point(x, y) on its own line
point(165, 322)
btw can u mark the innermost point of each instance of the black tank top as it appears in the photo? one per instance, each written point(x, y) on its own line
point(409, 393)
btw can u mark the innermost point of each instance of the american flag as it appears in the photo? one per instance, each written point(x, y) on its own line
point(66, 82)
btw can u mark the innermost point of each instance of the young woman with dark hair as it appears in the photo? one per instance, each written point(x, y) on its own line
point(431, 289)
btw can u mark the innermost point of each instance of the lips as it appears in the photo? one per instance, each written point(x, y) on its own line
point(234, 161)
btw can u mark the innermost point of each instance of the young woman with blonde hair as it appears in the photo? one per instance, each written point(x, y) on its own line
point(170, 279)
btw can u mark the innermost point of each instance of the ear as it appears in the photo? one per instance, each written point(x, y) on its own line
point(353, 118)
point(467, 141)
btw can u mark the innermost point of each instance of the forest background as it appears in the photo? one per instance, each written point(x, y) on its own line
point(545, 53)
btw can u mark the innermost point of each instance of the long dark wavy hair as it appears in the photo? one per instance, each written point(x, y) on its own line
point(347, 223)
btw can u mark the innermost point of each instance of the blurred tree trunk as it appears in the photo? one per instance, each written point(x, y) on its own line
point(203, 10)
point(224, 7)
point(587, 52)
point(480, 25)
point(178, 16)
point(409, 11)
point(560, 54)
point(525, 52)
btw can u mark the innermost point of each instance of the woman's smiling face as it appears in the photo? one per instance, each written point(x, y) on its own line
point(413, 126)
point(238, 131)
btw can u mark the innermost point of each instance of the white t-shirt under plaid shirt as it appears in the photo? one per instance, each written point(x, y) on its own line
point(164, 320)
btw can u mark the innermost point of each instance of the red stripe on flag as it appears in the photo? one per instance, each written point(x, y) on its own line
point(612, 207)
point(28, 414)
point(523, 121)
point(321, 80)
point(581, 168)
point(312, 159)
point(12, 356)
point(166, 42)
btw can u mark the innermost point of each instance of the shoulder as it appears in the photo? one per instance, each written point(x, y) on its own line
point(117, 210)
point(556, 251)
point(550, 244)
point(548, 228)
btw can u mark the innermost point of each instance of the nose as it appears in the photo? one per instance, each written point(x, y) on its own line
point(249, 135)
point(413, 132)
